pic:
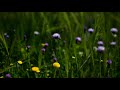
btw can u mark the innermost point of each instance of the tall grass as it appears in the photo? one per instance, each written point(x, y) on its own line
point(69, 25)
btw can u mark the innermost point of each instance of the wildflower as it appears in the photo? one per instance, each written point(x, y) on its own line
point(35, 69)
point(43, 50)
point(6, 35)
point(78, 39)
point(100, 43)
point(55, 59)
point(112, 43)
point(36, 33)
point(20, 62)
point(114, 30)
point(8, 76)
point(109, 61)
point(56, 64)
point(56, 36)
point(90, 30)
point(45, 45)
point(28, 47)
point(101, 48)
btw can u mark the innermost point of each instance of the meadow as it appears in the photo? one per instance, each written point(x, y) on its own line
point(59, 44)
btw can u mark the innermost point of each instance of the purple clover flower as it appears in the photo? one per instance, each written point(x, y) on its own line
point(43, 50)
point(90, 30)
point(113, 43)
point(100, 43)
point(78, 39)
point(114, 30)
point(109, 61)
point(56, 36)
point(101, 49)
point(54, 59)
point(46, 45)
point(8, 76)
point(6, 35)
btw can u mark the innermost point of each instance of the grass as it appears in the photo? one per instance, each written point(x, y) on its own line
point(69, 25)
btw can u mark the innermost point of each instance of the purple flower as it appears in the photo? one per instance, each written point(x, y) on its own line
point(112, 43)
point(46, 45)
point(101, 48)
point(8, 76)
point(90, 30)
point(54, 59)
point(43, 50)
point(28, 47)
point(109, 61)
point(6, 35)
point(56, 36)
point(114, 30)
point(100, 43)
point(78, 39)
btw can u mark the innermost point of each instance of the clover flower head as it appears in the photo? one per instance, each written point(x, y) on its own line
point(56, 36)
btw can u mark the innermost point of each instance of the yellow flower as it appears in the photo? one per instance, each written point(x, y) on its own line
point(20, 62)
point(43, 44)
point(56, 64)
point(35, 69)
point(101, 60)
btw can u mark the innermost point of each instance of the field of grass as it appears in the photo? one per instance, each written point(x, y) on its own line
point(22, 52)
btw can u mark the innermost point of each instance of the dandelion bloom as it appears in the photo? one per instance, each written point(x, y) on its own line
point(56, 36)
point(56, 64)
point(8, 76)
point(101, 48)
point(20, 62)
point(90, 30)
point(35, 69)
point(114, 30)
point(78, 39)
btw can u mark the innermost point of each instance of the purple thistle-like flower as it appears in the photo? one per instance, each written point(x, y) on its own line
point(114, 30)
point(8, 76)
point(43, 50)
point(100, 43)
point(46, 45)
point(6, 35)
point(54, 59)
point(90, 30)
point(101, 49)
point(78, 39)
point(109, 61)
point(56, 36)
point(112, 43)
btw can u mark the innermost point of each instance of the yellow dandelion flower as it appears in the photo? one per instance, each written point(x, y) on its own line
point(38, 71)
point(43, 44)
point(56, 64)
point(35, 69)
point(20, 62)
